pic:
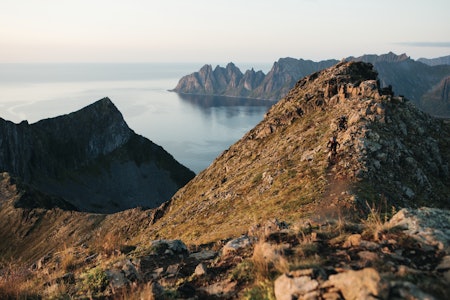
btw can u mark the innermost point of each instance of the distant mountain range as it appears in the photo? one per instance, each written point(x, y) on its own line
point(444, 60)
point(422, 81)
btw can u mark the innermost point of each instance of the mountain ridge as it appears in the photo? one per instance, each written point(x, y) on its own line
point(443, 60)
point(382, 129)
point(92, 159)
point(413, 79)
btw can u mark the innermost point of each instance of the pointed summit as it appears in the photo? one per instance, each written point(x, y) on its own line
point(89, 160)
point(390, 153)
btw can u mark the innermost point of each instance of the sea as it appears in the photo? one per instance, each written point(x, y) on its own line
point(194, 129)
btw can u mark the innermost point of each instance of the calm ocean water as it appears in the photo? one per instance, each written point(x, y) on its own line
point(194, 129)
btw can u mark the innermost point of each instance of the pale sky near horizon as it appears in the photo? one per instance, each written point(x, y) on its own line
point(219, 30)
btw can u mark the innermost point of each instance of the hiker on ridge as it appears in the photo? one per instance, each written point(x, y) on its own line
point(333, 145)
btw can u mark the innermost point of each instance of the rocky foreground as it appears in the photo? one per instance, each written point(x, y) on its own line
point(407, 257)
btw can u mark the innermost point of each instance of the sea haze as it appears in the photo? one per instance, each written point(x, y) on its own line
point(194, 129)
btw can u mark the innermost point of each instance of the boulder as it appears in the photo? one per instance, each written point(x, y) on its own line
point(236, 244)
point(201, 269)
point(362, 284)
point(407, 290)
point(287, 287)
point(430, 226)
point(174, 246)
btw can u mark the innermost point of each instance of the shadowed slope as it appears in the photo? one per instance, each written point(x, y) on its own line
point(91, 159)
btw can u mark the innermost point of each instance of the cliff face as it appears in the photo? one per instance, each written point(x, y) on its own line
point(390, 152)
point(91, 159)
point(412, 79)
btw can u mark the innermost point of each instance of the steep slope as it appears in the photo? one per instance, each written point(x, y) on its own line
point(91, 159)
point(391, 154)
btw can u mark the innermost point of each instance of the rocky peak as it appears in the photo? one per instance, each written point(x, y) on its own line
point(99, 125)
point(390, 152)
point(91, 159)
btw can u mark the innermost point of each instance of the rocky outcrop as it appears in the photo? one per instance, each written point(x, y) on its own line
point(91, 159)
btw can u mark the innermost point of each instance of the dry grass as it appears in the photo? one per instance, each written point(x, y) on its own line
point(376, 222)
point(269, 260)
point(15, 282)
point(107, 242)
point(68, 259)
point(137, 292)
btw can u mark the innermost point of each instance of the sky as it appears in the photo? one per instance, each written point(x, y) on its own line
point(60, 31)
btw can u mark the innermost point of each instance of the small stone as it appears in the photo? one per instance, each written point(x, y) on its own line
point(204, 255)
point(173, 269)
point(130, 271)
point(352, 241)
point(236, 244)
point(372, 246)
point(444, 265)
point(201, 269)
point(157, 272)
point(407, 290)
point(368, 256)
point(116, 278)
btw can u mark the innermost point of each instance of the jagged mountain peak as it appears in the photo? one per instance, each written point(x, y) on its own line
point(281, 167)
point(91, 160)
point(418, 80)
